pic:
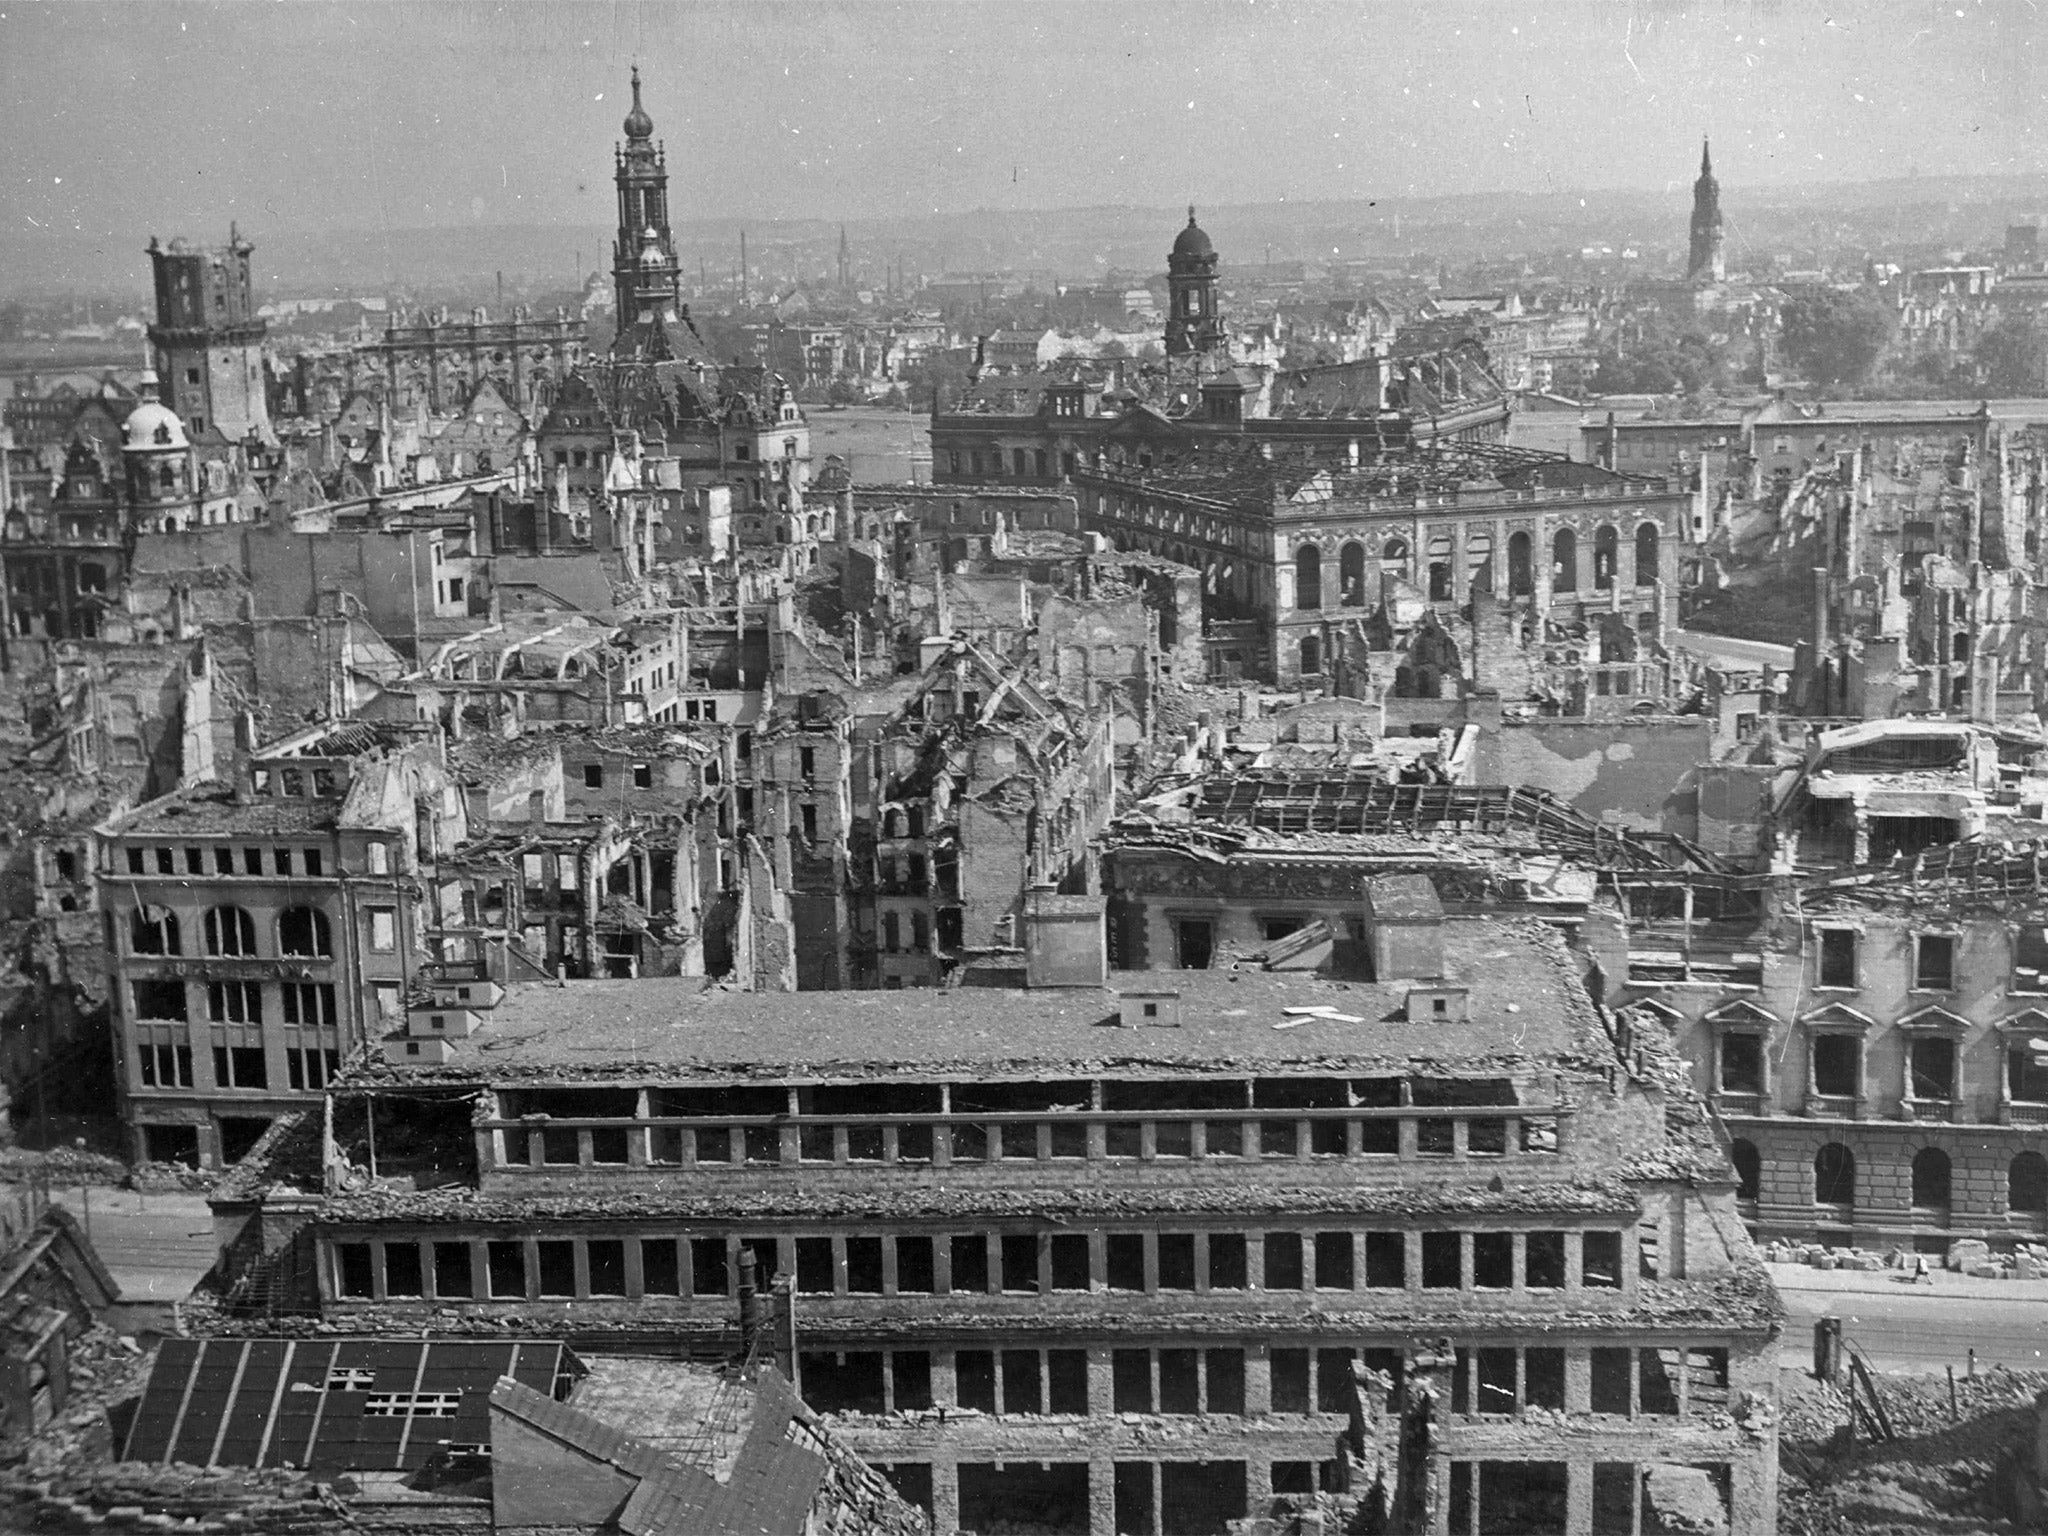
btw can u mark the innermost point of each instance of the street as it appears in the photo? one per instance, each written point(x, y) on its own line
point(156, 1245)
point(1921, 1330)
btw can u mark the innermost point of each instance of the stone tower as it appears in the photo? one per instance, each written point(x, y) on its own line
point(1192, 322)
point(644, 254)
point(1707, 265)
point(207, 343)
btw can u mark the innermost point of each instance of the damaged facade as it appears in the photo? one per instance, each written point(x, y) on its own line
point(1418, 1229)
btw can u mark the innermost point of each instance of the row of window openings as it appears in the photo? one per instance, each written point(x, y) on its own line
point(308, 1068)
point(1664, 1382)
point(1012, 1263)
point(311, 862)
point(230, 933)
point(301, 1004)
point(1836, 1068)
point(1514, 1498)
point(1331, 1137)
point(1351, 564)
point(1024, 464)
point(1934, 960)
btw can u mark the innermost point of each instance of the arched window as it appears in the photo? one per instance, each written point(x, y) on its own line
point(304, 931)
point(1351, 575)
point(1564, 561)
point(1521, 578)
point(1930, 1179)
point(1395, 552)
point(1440, 568)
point(1647, 538)
point(1308, 577)
point(1834, 1175)
point(2026, 1184)
point(230, 931)
point(1749, 1170)
point(1606, 555)
point(154, 931)
point(1311, 656)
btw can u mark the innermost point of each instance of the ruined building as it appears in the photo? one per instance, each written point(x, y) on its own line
point(1418, 1231)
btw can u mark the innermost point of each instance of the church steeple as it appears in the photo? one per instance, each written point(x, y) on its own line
point(643, 255)
point(1192, 321)
point(1706, 263)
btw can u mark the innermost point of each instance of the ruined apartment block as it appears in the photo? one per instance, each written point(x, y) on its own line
point(1114, 1252)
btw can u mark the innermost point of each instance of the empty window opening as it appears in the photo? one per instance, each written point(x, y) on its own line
point(1227, 1271)
point(1176, 1261)
point(1024, 1495)
point(1125, 1254)
point(1493, 1260)
point(1601, 1265)
point(1442, 1262)
point(1283, 1261)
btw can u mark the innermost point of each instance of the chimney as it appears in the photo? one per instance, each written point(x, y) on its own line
point(1064, 941)
point(1404, 925)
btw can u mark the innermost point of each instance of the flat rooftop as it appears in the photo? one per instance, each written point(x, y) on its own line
point(1527, 1006)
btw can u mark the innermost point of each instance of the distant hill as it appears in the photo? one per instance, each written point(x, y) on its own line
point(1897, 216)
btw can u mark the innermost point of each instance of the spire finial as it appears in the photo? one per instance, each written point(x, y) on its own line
point(1191, 215)
point(1706, 157)
point(636, 84)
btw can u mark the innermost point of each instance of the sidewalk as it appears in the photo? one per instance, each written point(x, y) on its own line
point(156, 1246)
point(1899, 1282)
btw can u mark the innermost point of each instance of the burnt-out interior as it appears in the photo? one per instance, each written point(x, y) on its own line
point(1904, 836)
point(1025, 1498)
point(422, 1136)
point(1900, 754)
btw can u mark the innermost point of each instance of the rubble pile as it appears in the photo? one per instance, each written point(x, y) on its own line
point(1967, 1256)
point(1937, 1474)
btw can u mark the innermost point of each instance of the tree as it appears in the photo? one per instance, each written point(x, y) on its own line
point(2010, 357)
point(1833, 337)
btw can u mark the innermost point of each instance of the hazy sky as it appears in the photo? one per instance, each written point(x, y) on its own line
point(119, 120)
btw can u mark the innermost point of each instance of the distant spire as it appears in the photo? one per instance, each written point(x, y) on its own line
point(1706, 159)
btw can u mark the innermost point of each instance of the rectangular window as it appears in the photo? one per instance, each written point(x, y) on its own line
point(163, 1064)
point(557, 1268)
point(1125, 1255)
point(660, 1274)
point(1290, 1381)
point(239, 1066)
point(1227, 1261)
point(223, 861)
point(1931, 1067)
point(283, 858)
point(970, 1263)
point(1493, 1260)
point(234, 1002)
point(593, 776)
point(1176, 1261)
point(1066, 1381)
point(1442, 1261)
point(1020, 1262)
point(308, 1004)
point(505, 1268)
point(353, 1270)
point(158, 998)
point(135, 866)
point(1611, 1381)
point(974, 1379)
point(314, 863)
point(606, 1258)
point(2026, 1075)
point(309, 1069)
point(402, 1271)
point(1838, 1066)
point(1131, 1380)
point(383, 930)
point(1333, 1261)
point(1838, 957)
point(1023, 1383)
point(914, 1265)
point(1934, 962)
point(1283, 1261)
point(1742, 1063)
point(1069, 1254)
point(708, 1266)
point(814, 1265)
point(252, 861)
point(380, 858)
point(452, 1278)
point(1601, 1266)
point(1386, 1261)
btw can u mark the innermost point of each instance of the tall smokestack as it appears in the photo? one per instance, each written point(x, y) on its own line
point(1821, 660)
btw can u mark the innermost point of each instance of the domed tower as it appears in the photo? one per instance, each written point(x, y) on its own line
point(156, 456)
point(1192, 322)
point(1707, 265)
point(644, 255)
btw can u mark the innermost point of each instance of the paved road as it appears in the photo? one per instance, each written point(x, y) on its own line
point(156, 1246)
point(1922, 1332)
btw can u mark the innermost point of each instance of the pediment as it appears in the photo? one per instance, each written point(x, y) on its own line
point(1740, 1010)
point(1837, 1016)
point(1934, 1016)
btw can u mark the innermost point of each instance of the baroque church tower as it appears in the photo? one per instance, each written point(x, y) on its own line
point(644, 254)
point(1193, 324)
point(1707, 265)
